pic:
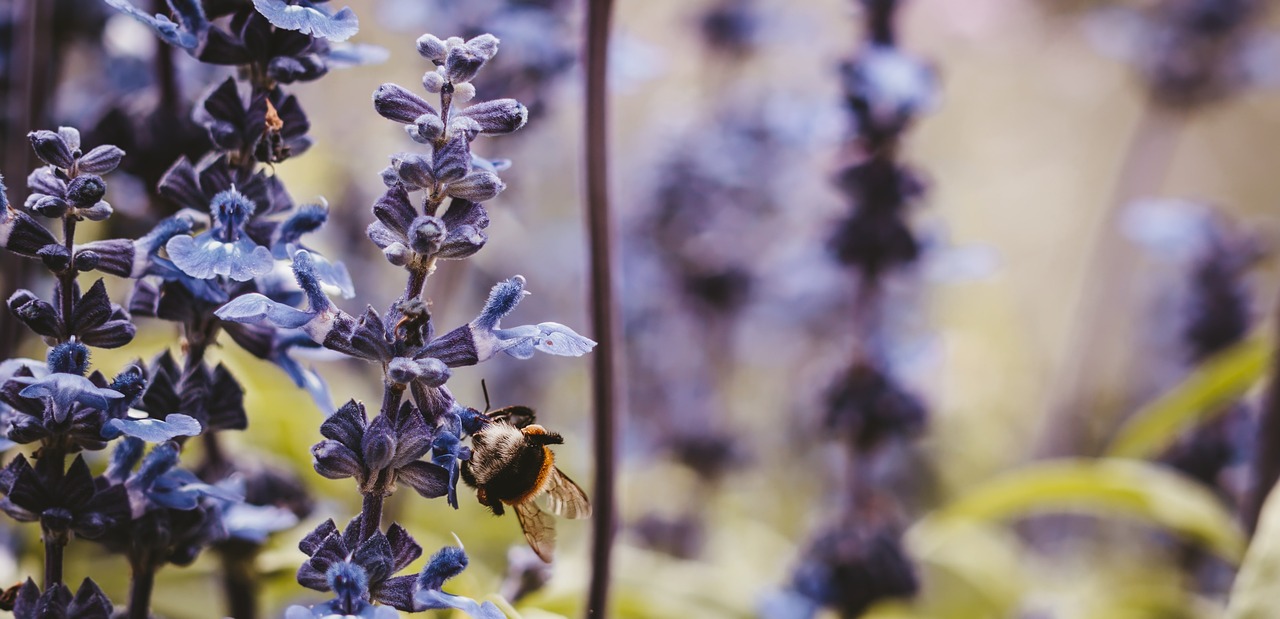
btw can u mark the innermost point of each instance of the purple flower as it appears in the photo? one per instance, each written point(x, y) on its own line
point(225, 249)
point(188, 32)
point(89, 602)
point(62, 502)
point(72, 183)
point(380, 453)
point(309, 18)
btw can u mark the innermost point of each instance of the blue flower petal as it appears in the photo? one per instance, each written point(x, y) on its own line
point(309, 19)
point(67, 389)
point(186, 35)
point(205, 257)
point(346, 55)
point(327, 611)
point(256, 309)
point(255, 522)
point(432, 599)
point(551, 338)
point(153, 430)
point(334, 274)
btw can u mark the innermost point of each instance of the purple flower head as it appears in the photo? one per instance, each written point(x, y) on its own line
point(89, 602)
point(95, 321)
point(225, 249)
point(886, 90)
point(488, 338)
point(410, 240)
point(872, 557)
point(159, 485)
point(64, 387)
point(360, 570)
point(868, 407)
point(274, 500)
point(385, 451)
point(72, 423)
point(208, 398)
point(285, 54)
point(63, 503)
point(236, 126)
point(72, 183)
point(136, 258)
point(445, 564)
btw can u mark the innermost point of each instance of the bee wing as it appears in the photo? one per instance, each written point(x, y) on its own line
point(564, 498)
point(539, 529)
point(518, 416)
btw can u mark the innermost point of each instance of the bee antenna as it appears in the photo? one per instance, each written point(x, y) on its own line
point(485, 389)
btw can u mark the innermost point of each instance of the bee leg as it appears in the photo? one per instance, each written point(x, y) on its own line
point(494, 506)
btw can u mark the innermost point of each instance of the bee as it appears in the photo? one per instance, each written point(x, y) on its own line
point(511, 464)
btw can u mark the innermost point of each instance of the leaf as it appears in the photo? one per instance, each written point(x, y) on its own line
point(1133, 489)
point(1257, 585)
point(1200, 397)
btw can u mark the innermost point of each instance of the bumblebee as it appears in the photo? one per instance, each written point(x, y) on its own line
point(511, 464)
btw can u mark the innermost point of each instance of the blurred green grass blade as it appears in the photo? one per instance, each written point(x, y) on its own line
point(1124, 488)
point(1203, 394)
point(1256, 589)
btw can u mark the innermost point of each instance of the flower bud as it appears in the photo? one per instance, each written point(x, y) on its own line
point(101, 160)
point(86, 190)
point(433, 81)
point(51, 148)
point(86, 260)
point(426, 233)
point(498, 117)
point(395, 103)
point(453, 161)
point(55, 256)
point(462, 64)
point(333, 460)
point(50, 206)
point(478, 186)
point(415, 170)
point(432, 48)
point(429, 127)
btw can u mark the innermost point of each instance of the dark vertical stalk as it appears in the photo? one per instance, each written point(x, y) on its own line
point(53, 546)
point(239, 582)
point(28, 94)
point(166, 74)
point(603, 314)
point(144, 580)
point(371, 514)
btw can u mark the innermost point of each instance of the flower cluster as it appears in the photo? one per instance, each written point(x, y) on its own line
point(155, 515)
point(850, 564)
point(415, 440)
point(1189, 52)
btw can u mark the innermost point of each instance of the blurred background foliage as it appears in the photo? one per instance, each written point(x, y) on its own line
point(1021, 501)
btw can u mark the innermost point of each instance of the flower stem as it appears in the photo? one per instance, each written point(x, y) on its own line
point(239, 582)
point(603, 314)
point(67, 278)
point(371, 514)
point(53, 547)
point(166, 74)
point(144, 580)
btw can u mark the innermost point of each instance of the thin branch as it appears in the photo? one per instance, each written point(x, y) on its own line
point(603, 312)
